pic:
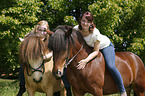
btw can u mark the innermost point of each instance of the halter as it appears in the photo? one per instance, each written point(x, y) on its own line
point(37, 69)
point(69, 61)
point(42, 65)
point(42, 70)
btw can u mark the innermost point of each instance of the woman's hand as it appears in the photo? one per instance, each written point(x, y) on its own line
point(82, 64)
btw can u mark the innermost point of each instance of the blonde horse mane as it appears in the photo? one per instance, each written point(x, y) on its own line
point(32, 48)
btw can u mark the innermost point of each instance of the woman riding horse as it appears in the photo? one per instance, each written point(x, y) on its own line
point(69, 47)
point(100, 42)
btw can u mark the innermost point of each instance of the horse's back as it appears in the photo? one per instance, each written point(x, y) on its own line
point(137, 70)
point(131, 69)
point(132, 63)
point(127, 62)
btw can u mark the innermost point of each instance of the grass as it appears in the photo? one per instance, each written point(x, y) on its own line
point(8, 87)
point(11, 87)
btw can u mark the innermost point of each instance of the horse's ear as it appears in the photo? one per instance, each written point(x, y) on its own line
point(68, 33)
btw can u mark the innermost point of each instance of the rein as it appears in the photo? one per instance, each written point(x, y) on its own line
point(37, 69)
point(69, 61)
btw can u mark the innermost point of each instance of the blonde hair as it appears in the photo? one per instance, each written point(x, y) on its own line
point(40, 23)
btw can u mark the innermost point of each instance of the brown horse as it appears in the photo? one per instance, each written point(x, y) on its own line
point(37, 71)
point(69, 48)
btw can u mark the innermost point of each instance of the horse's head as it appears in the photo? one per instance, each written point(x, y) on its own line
point(32, 50)
point(61, 43)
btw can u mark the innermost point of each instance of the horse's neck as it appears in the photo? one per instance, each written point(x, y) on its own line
point(82, 52)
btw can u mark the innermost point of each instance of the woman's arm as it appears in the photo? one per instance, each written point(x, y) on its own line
point(92, 55)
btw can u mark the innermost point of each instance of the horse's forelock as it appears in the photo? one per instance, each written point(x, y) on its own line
point(57, 41)
point(32, 48)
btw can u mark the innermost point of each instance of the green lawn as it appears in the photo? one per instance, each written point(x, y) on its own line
point(11, 87)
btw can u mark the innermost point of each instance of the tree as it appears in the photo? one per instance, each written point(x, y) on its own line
point(17, 17)
point(123, 21)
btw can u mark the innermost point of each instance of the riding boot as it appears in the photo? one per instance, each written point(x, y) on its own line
point(22, 90)
point(68, 91)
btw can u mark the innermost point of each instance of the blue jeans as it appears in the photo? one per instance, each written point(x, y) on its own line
point(109, 56)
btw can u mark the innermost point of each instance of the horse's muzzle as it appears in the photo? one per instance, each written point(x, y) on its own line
point(38, 80)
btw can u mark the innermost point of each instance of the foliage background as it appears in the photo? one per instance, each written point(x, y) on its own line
point(123, 21)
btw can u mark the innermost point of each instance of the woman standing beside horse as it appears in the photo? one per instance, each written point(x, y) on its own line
point(100, 42)
point(41, 30)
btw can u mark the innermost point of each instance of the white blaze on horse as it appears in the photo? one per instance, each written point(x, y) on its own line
point(37, 62)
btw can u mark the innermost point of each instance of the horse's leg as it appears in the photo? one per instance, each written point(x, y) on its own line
point(139, 85)
point(63, 92)
point(142, 94)
point(30, 90)
point(56, 93)
point(128, 90)
point(139, 94)
point(77, 92)
point(49, 91)
point(98, 92)
point(139, 91)
point(49, 94)
point(134, 94)
point(30, 93)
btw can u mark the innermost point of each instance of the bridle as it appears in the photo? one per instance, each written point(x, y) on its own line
point(37, 69)
point(67, 59)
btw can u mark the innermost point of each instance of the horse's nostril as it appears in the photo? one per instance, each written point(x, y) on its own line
point(59, 72)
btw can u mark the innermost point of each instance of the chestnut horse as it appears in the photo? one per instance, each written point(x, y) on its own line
point(37, 71)
point(69, 48)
